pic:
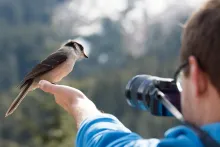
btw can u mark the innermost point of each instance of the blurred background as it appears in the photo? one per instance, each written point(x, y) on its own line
point(121, 37)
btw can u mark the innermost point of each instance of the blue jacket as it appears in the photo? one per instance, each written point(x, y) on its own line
point(107, 131)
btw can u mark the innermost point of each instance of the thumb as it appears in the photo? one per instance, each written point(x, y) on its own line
point(47, 86)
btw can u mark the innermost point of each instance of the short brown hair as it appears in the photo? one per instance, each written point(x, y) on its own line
point(201, 38)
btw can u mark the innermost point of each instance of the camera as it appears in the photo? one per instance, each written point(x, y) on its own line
point(140, 93)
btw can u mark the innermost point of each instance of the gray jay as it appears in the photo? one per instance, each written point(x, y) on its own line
point(56, 66)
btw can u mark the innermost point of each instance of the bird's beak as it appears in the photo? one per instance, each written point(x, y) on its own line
point(85, 55)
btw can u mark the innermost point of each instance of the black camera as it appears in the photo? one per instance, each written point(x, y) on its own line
point(161, 97)
point(140, 93)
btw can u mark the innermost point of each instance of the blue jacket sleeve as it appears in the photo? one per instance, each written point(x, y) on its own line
point(106, 130)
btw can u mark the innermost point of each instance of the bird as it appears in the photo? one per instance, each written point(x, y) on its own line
point(53, 69)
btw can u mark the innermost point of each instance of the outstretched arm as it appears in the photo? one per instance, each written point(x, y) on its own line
point(94, 127)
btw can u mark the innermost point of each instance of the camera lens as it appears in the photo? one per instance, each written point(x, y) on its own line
point(141, 93)
point(136, 92)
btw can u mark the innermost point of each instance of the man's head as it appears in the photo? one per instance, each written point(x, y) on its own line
point(201, 51)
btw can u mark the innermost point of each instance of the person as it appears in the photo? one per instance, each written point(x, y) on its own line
point(200, 95)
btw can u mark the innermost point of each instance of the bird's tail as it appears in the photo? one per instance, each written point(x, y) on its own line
point(19, 98)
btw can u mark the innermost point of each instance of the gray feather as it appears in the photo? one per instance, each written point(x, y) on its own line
point(19, 98)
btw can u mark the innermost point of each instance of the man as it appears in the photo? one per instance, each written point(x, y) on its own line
point(199, 79)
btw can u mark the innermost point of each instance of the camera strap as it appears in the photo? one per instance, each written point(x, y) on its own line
point(205, 138)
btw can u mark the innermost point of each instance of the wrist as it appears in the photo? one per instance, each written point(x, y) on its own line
point(83, 115)
point(82, 112)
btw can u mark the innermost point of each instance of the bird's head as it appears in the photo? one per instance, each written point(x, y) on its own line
point(78, 48)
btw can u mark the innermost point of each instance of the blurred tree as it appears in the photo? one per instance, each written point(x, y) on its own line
point(27, 36)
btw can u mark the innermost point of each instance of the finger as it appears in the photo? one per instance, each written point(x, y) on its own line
point(47, 86)
point(60, 89)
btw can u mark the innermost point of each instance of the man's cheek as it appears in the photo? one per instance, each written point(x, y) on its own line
point(182, 102)
point(184, 97)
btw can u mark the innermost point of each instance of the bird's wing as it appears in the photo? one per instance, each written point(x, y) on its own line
point(46, 65)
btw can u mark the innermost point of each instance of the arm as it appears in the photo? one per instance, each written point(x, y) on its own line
point(95, 128)
point(107, 130)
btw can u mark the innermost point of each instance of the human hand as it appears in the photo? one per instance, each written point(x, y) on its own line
point(72, 100)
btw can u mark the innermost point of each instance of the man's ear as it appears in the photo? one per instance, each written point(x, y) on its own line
point(197, 77)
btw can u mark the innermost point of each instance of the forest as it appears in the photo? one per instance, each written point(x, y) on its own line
point(120, 45)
